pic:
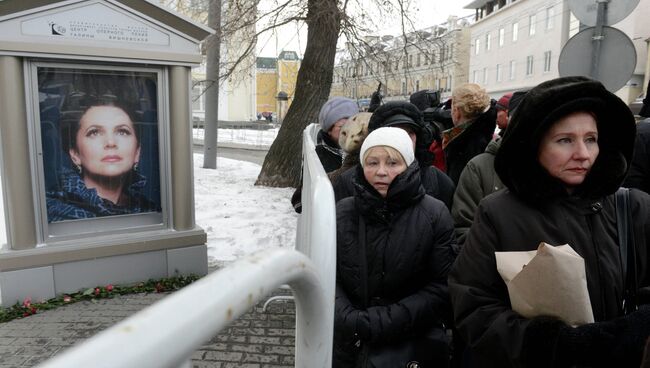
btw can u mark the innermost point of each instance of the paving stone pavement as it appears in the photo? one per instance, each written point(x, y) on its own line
point(256, 340)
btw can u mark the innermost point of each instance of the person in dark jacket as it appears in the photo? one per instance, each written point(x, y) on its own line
point(334, 113)
point(332, 116)
point(395, 245)
point(478, 179)
point(564, 154)
point(407, 116)
point(474, 117)
point(639, 174)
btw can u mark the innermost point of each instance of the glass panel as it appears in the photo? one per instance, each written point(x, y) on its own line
point(100, 141)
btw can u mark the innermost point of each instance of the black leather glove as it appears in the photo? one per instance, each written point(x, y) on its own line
point(615, 343)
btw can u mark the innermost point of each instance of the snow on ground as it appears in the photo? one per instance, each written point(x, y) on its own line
point(260, 137)
point(239, 217)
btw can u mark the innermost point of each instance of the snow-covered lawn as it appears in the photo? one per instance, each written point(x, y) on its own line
point(239, 217)
point(252, 137)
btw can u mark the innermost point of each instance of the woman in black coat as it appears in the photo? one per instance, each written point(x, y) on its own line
point(564, 154)
point(474, 117)
point(394, 249)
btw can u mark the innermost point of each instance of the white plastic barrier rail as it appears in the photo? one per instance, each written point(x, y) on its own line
point(166, 334)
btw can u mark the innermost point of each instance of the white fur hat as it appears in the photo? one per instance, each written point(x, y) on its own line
point(395, 138)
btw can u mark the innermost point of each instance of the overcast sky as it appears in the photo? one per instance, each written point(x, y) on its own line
point(431, 12)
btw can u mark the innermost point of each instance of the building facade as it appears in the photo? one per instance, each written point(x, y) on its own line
point(516, 44)
point(432, 58)
point(276, 77)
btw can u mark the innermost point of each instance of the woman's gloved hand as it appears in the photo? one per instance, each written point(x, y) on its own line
point(549, 342)
point(615, 343)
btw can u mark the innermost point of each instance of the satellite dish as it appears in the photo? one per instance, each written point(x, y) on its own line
point(616, 63)
point(587, 10)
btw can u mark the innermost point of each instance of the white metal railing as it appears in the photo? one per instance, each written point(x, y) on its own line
point(164, 335)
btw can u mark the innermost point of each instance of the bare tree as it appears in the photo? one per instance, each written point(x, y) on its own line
point(282, 163)
point(326, 21)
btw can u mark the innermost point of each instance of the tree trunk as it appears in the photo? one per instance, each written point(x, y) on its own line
point(282, 165)
point(213, 50)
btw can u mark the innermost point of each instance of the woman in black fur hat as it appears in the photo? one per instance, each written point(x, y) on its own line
point(563, 156)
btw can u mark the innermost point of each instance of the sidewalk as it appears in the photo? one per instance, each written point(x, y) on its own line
point(255, 340)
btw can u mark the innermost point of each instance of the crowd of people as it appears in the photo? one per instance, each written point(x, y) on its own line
point(430, 203)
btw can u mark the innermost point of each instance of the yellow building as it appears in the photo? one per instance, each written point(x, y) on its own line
point(276, 77)
point(266, 78)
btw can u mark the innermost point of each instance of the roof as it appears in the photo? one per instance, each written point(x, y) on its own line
point(288, 55)
point(266, 63)
point(476, 4)
point(177, 21)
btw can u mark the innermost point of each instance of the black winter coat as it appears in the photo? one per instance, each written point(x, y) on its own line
point(330, 156)
point(328, 151)
point(535, 207)
point(435, 183)
point(639, 174)
point(409, 248)
point(471, 142)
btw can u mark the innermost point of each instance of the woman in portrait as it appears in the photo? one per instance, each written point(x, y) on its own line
point(103, 143)
point(564, 155)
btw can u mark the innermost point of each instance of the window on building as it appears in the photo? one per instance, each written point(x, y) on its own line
point(529, 65)
point(449, 83)
point(515, 31)
point(512, 69)
point(426, 59)
point(531, 24)
point(547, 61)
point(403, 87)
point(418, 60)
point(550, 16)
point(485, 76)
point(502, 36)
point(417, 85)
point(488, 38)
point(477, 46)
point(410, 61)
point(475, 77)
point(499, 73)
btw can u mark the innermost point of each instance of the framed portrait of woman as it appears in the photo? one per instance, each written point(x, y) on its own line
point(99, 140)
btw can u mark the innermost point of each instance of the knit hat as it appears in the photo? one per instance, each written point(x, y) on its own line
point(392, 137)
point(334, 110)
point(394, 113)
point(504, 101)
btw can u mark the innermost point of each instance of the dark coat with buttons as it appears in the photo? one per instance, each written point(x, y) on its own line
point(536, 208)
point(392, 285)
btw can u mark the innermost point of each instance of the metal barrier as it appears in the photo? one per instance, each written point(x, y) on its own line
point(165, 334)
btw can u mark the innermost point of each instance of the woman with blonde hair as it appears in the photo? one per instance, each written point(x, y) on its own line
point(474, 118)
